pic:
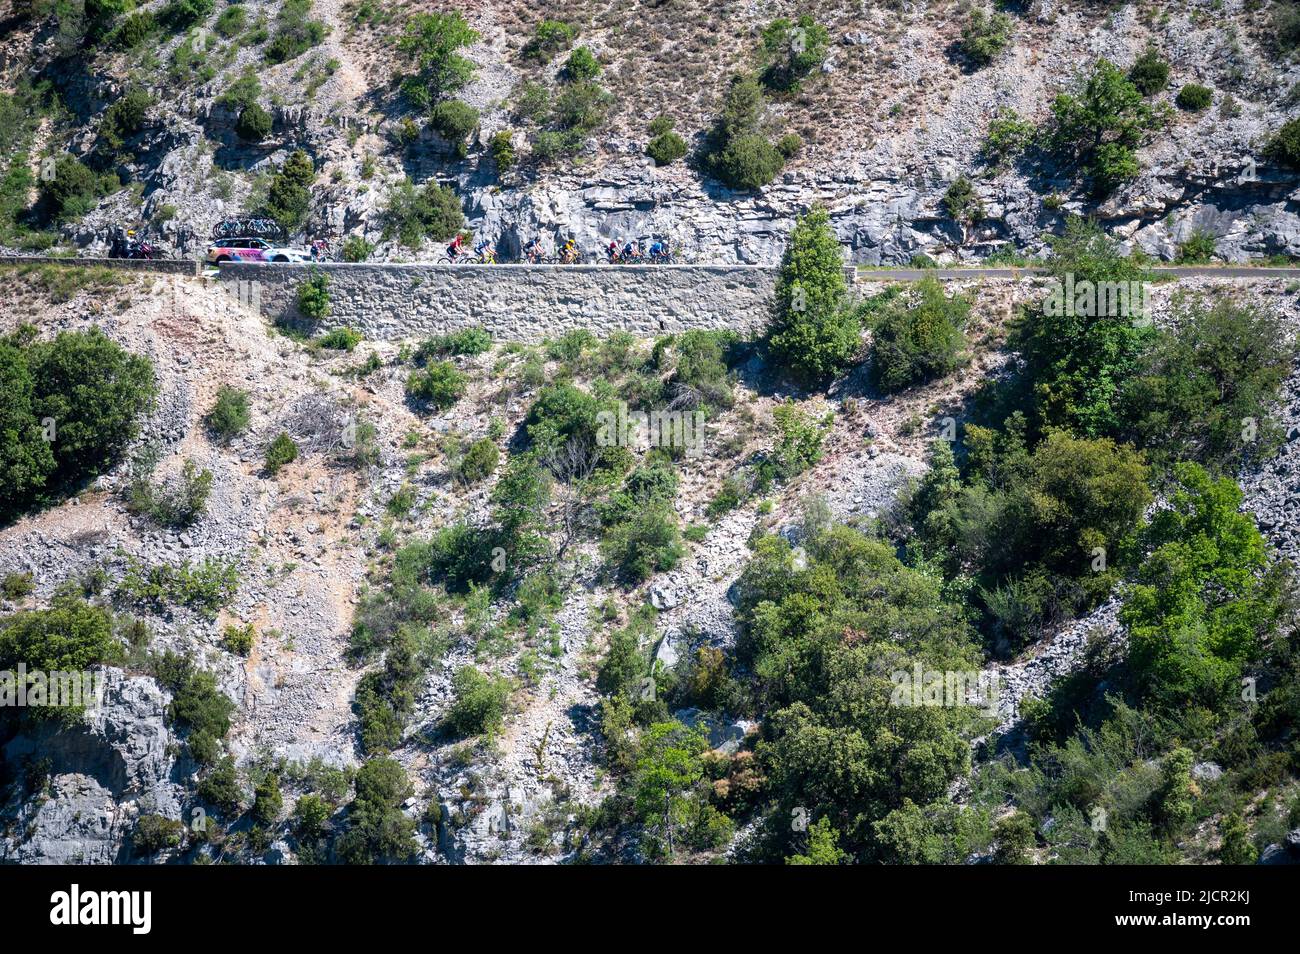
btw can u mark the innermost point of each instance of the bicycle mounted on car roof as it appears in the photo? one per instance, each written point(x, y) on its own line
point(250, 228)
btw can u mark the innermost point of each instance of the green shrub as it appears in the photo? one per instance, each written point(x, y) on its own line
point(267, 800)
point(799, 439)
point(197, 704)
point(736, 151)
point(1008, 136)
point(454, 119)
point(468, 341)
point(440, 384)
point(1101, 125)
point(177, 504)
point(963, 203)
point(254, 123)
point(125, 117)
point(357, 249)
point(1194, 98)
point(133, 30)
point(16, 586)
point(1150, 72)
point(549, 38)
point(155, 833)
point(479, 702)
point(791, 50)
point(205, 588)
point(479, 462)
point(231, 22)
point(416, 214)
point(1203, 392)
point(73, 191)
point(918, 337)
point(280, 452)
point(295, 33)
point(985, 36)
point(239, 639)
point(502, 147)
point(666, 148)
point(179, 15)
point(314, 295)
point(1197, 249)
point(340, 339)
point(581, 65)
point(70, 636)
point(1284, 147)
point(220, 787)
point(230, 414)
point(814, 333)
point(648, 542)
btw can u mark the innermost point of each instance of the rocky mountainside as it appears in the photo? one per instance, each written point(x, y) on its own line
point(892, 114)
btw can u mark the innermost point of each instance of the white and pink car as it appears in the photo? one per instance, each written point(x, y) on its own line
point(254, 250)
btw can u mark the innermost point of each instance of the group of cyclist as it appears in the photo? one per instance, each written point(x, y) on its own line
point(628, 253)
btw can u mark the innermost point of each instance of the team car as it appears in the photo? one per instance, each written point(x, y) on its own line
point(254, 250)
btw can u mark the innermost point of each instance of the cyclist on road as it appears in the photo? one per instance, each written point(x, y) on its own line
point(534, 251)
point(570, 251)
point(454, 249)
point(482, 251)
point(629, 252)
point(659, 249)
point(611, 251)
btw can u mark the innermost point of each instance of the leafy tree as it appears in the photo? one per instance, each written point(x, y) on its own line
point(918, 337)
point(1203, 390)
point(288, 196)
point(74, 189)
point(125, 117)
point(267, 800)
point(670, 793)
point(416, 214)
point(1008, 136)
point(71, 636)
point(814, 332)
point(378, 829)
point(648, 542)
point(220, 787)
point(1076, 359)
point(455, 119)
point(1235, 847)
point(1206, 597)
point(433, 42)
point(1101, 124)
point(792, 49)
point(736, 151)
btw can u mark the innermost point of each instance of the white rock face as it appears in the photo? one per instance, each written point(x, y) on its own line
point(102, 776)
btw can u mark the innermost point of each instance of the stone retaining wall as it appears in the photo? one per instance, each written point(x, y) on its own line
point(517, 302)
point(173, 266)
